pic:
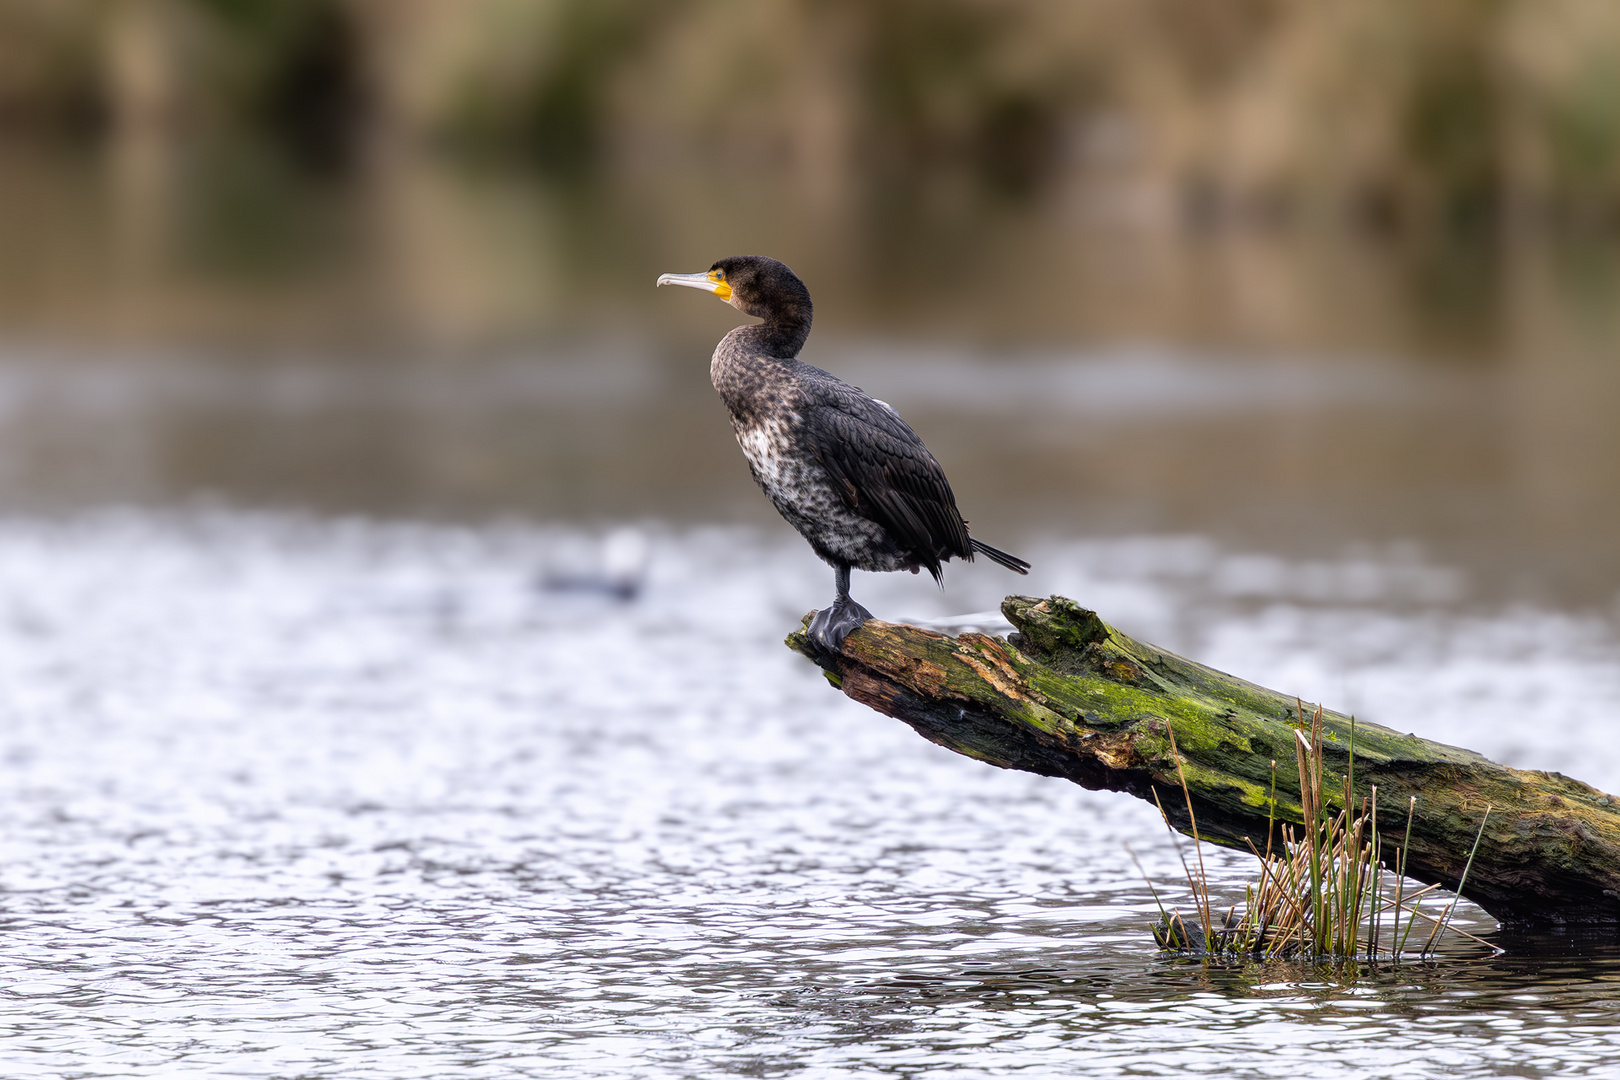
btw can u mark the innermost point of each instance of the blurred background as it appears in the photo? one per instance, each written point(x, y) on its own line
point(361, 500)
point(1302, 279)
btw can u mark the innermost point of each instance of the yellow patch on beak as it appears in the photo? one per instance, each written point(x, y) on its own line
point(714, 281)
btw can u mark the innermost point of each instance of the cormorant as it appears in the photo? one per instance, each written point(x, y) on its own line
point(841, 467)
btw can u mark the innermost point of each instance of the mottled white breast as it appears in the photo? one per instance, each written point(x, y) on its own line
point(763, 445)
point(804, 495)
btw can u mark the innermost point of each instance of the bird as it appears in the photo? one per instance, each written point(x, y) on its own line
point(841, 467)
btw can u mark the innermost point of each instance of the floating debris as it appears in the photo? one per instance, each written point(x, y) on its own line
point(620, 570)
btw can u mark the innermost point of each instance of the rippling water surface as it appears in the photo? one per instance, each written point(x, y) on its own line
point(287, 797)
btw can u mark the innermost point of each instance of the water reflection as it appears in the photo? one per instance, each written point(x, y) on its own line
point(222, 241)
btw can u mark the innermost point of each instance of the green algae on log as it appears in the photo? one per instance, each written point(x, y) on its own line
point(1072, 697)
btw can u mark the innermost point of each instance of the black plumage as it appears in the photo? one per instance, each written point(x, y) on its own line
point(842, 468)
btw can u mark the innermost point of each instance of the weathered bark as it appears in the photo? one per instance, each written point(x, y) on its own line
point(1070, 696)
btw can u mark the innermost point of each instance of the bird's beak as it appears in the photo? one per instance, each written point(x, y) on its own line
point(712, 281)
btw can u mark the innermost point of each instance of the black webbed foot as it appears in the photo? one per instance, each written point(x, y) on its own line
point(832, 625)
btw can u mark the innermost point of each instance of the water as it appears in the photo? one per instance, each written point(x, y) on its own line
point(290, 796)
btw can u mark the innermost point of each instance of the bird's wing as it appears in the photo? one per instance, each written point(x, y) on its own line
point(884, 472)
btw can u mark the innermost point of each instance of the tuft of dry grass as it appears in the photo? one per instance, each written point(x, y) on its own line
point(1324, 897)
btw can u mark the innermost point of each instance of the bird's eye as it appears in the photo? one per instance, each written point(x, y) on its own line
point(717, 276)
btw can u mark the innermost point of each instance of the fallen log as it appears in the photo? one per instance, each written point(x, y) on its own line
point(1069, 696)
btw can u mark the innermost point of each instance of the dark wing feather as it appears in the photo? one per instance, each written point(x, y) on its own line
point(885, 472)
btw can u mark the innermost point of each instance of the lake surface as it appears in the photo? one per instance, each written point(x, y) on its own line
point(300, 796)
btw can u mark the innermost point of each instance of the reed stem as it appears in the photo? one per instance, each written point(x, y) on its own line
point(1319, 898)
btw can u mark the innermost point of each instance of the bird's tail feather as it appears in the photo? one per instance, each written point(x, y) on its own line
point(1011, 562)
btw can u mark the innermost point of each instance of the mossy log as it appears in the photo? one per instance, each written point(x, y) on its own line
point(1070, 696)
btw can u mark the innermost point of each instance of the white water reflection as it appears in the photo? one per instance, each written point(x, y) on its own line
point(289, 797)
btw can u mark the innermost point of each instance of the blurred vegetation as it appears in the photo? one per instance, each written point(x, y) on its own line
point(51, 66)
point(543, 91)
point(289, 68)
point(1396, 114)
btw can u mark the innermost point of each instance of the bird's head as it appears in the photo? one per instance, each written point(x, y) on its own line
point(754, 285)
